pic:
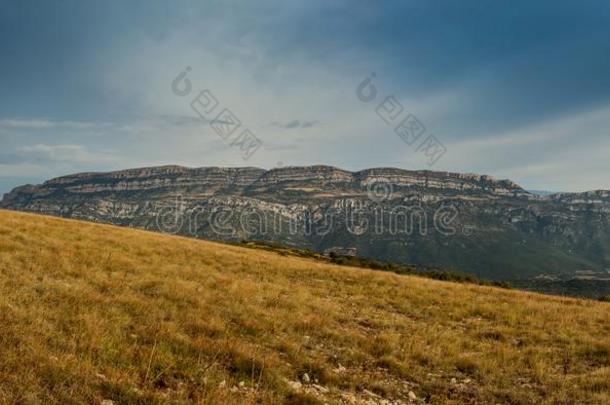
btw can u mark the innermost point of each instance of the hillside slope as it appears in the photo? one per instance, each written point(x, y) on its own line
point(93, 312)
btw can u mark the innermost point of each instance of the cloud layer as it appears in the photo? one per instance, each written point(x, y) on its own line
point(519, 90)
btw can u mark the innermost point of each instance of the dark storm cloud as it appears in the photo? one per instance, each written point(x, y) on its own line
point(514, 62)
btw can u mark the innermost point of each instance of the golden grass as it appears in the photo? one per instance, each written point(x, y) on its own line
point(91, 312)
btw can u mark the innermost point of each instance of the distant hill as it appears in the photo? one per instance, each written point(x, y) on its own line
point(471, 223)
point(94, 313)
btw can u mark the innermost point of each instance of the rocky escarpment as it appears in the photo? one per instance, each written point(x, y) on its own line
point(212, 178)
point(469, 222)
point(241, 180)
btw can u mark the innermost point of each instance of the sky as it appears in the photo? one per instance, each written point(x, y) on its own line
point(517, 90)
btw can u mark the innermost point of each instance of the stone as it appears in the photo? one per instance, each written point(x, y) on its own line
point(370, 393)
point(320, 388)
point(295, 385)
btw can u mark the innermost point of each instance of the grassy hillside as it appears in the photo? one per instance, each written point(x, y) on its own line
point(92, 313)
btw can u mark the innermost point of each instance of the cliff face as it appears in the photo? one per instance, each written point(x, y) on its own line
point(236, 180)
point(470, 222)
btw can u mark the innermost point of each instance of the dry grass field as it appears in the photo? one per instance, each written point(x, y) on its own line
point(93, 314)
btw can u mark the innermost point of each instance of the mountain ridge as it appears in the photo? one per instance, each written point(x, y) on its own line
point(467, 222)
point(279, 175)
point(167, 169)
